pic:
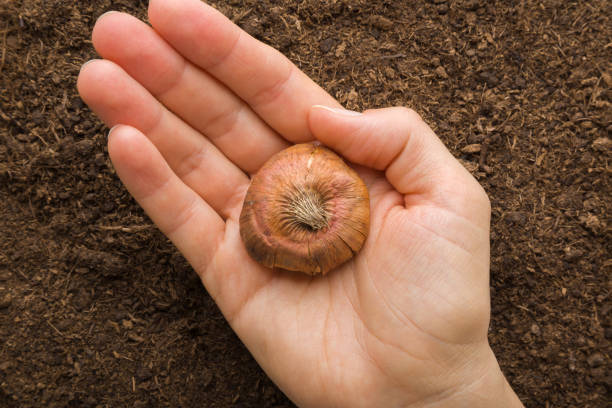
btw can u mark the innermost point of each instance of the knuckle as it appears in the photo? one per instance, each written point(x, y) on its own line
point(411, 114)
point(483, 197)
point(184, 214)
point(270, 93)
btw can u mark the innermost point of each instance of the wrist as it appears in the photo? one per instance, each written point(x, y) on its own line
point(487, 387)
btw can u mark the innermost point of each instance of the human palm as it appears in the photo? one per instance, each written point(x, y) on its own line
point(383, 329)
point(202, 106)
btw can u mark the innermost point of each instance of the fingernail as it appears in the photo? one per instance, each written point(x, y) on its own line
point(340, 111)
point(85, 63)
point(111, 130)
point(104, 14)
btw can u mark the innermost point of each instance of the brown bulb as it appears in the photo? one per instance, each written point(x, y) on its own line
point(305, 210)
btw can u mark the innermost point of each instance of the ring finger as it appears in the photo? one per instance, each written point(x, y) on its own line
point(119, 99)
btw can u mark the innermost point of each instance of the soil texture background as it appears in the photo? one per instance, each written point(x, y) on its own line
point(98, 309)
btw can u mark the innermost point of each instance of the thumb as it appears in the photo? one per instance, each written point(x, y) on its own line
point(398, 142)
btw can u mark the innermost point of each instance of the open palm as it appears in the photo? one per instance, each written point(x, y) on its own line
point(201, 106)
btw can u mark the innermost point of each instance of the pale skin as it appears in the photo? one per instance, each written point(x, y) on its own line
point(197, 106)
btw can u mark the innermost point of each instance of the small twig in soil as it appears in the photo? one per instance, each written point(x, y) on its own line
point(524, 308)
point(482, 160)
point(133, 228)
point(35, 133)
point(3, 57)
point(393, 56)
point(117, 355)
point(595, 314)
point(56, 329)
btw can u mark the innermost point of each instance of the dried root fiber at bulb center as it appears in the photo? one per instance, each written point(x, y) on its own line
point(305, 208)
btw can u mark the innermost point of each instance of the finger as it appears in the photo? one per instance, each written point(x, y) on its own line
point(415, 161)
point(192, 94)
point(273, 86)
point(179, 212)
point(117, 98)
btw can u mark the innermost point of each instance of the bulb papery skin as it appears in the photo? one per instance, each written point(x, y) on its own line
point(305, 210)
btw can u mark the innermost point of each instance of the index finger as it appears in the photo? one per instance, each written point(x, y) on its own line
point(264, 78)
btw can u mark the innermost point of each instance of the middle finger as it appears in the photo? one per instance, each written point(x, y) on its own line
point(192, 94)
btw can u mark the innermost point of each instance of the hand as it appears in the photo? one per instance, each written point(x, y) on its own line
point(199, 106)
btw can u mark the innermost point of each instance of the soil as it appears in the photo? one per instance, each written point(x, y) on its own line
point(98, 309)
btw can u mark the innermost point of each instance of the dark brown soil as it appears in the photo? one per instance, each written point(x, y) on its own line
point(97, 308)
